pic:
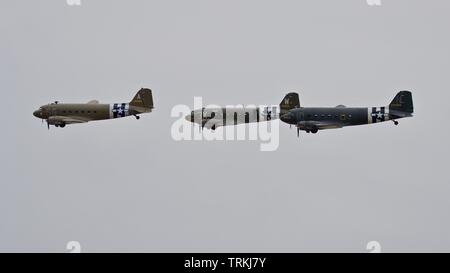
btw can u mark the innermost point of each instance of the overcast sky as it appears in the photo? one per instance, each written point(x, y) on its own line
point(126, 185)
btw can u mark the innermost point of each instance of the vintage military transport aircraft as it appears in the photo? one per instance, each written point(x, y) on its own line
point(62, 114)
point(313, 119)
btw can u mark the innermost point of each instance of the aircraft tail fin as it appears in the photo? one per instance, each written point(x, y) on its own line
point(143, 99)
point(402, 102)
point(289, 102)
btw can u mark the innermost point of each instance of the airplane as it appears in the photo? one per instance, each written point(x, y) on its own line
point(213, 118)
point(313, 119)
point(62, 114)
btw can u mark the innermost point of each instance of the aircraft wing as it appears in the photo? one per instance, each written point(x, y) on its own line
point(327, 125)
point(67, 120)
point(213, 123)
point(320, 125)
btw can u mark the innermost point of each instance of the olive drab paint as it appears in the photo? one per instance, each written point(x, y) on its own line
point(62, 114)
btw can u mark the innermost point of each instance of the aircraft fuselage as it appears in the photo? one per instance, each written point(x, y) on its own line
point(306, 117)
point(313, 119)
point(88, 111)
point(61, 114)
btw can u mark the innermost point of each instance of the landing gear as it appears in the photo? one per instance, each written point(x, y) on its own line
point(314, 131)
point(62, 125)
point(395, 122)
point(137, 117)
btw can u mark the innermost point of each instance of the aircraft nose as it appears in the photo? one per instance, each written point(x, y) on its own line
point(37, 113)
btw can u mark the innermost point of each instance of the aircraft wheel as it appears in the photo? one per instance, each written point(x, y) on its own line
point(62, 125)
point(308, 131)
point(138, 117)
point(395, 122)
point(314, 131)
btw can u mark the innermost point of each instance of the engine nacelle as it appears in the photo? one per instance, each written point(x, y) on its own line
point(55, 121)
point(306, 125)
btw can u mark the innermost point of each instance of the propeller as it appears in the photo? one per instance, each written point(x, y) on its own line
point(201, 122)
point(42, 122)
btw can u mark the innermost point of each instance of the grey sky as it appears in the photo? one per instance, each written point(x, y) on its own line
point(125, 185)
